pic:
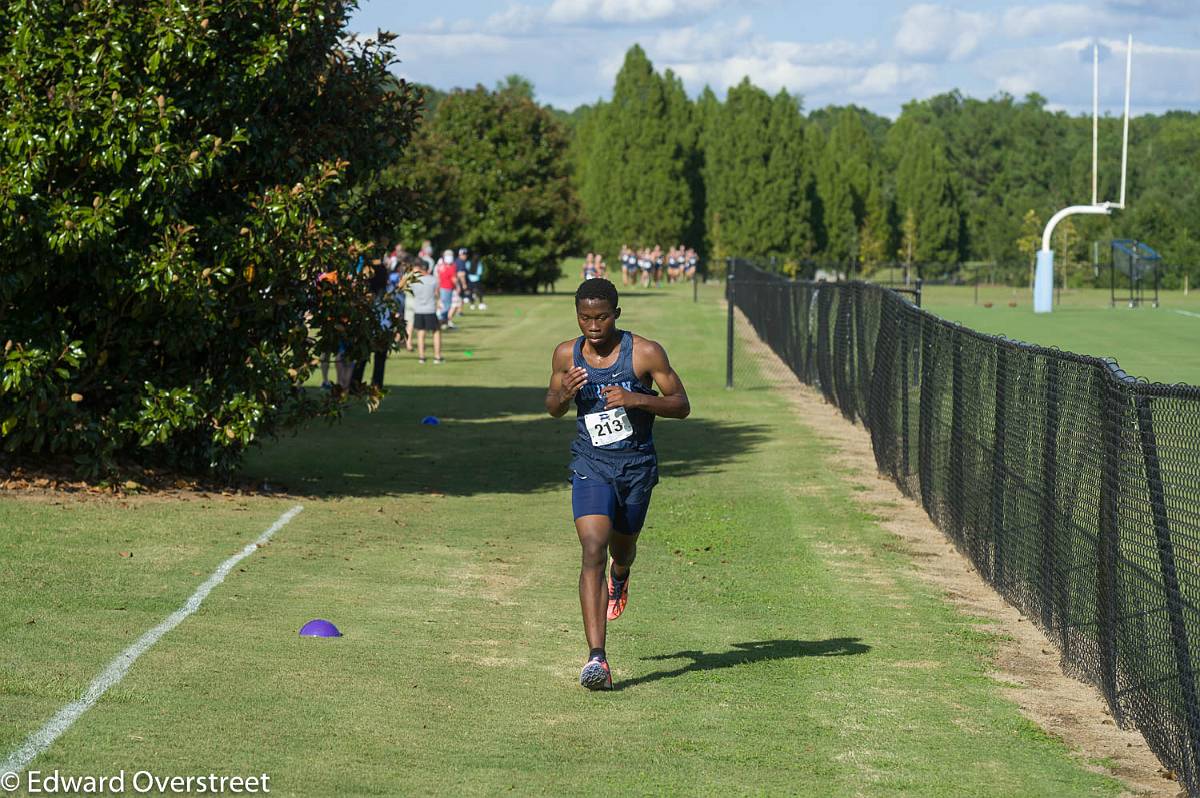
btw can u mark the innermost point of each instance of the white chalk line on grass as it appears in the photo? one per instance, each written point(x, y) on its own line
point(1189, 313)
point(40, 740)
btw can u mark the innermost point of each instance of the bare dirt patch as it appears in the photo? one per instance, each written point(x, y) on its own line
point(1026, 662)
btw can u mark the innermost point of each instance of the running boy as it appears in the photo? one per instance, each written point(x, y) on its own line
point(608, 374)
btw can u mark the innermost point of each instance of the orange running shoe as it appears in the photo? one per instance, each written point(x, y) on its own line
point(617, 599)
point(596, 675)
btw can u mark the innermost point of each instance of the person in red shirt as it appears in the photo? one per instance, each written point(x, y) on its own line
point(447, 274)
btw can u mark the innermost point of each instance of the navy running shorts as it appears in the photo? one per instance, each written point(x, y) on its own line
point(593, 497)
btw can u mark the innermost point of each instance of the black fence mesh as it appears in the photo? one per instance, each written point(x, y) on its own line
point(1073, 488)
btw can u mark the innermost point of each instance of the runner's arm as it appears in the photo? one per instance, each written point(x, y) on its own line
point(673, 403)
point(565, 380)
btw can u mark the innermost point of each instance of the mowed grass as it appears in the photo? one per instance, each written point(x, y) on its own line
point(1158, 344)
point(777, 640)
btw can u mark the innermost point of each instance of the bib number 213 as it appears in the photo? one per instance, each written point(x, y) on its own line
point(608, 426)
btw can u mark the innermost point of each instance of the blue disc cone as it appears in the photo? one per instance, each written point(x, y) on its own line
point(430, 421)
point(319, 627)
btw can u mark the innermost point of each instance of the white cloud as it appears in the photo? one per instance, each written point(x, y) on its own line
point(766, 74)
point(572, 50)
point(889, 78)
point(691, 44)
point(1163, 76)
point(1054, 19)
point(838, 51)
point(411, 46)
point(515, 18)
point(626, 12)
point(939, 32)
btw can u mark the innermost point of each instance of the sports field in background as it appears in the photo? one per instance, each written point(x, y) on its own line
point(777, 640)
point(1159, 344)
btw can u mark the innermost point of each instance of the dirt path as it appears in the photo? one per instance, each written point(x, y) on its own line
point(1066, 708)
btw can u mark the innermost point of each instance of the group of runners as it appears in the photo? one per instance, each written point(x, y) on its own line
point(646, 266)
point(649, 266)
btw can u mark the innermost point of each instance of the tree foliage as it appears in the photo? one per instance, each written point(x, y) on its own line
point(757, 179)
point(964, 172)
point(492, 170)
point(174, 177)
point(925, 186)
point(641, 165)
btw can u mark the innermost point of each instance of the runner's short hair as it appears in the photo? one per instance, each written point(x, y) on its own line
point(596, 288)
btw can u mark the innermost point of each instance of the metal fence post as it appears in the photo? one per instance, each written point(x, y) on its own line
point(905, 387)
point(925, 416)
point(957, 526)
point(1107, 541)
point(999, 482)
point(729, 301)
point(880, 390)
point(1047, 516)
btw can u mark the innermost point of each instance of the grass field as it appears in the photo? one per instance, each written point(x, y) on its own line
point(777, 639)
point(1159, 344)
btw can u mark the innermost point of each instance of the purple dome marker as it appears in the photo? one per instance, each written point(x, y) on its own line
point(319, 627)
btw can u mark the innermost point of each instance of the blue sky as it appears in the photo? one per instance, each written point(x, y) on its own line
point(876, 53)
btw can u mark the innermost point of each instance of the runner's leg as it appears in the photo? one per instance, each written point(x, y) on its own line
point(624, 552)
point(594, 532)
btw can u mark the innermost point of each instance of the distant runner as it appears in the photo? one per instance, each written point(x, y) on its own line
point(608, 373)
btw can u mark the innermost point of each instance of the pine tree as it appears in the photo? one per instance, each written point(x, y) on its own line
point(876, 240)
point(844, 178)
point(706, 115)
point(814, 159)
point(924, 185)
point(637, 187)
point(736, 170)
point(789, 184)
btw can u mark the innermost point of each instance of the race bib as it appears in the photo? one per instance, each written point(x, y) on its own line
point(608, 426)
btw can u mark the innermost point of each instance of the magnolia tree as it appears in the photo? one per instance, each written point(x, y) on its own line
point(173, 179)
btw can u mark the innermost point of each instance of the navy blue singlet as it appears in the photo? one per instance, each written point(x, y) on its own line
point(630, 466)
point(590, 400)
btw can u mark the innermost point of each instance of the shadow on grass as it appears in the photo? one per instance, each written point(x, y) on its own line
point(746, 653)
point(488, 440)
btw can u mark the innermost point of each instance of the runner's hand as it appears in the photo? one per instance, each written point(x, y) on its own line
point(575, 379)
point(616, 396)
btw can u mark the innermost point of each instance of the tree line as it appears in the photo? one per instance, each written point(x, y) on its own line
point(188, 227)
point(953, 183)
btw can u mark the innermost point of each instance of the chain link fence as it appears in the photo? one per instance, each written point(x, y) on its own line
point(1072, 487)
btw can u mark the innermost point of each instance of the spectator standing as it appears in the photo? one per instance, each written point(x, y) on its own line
point(463, 263)
point(447, 277)
point(475, 282)
point(377, 286)
point(424, 299)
